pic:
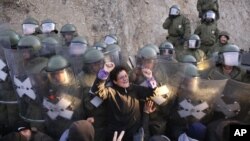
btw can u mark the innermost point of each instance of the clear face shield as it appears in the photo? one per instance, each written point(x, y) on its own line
point(48, 50)
point(94, 67)
point(61, 77)
point(174, 12)
point(113, 57)
point(77, 49)
point(148, 63)
point(110, 40)
point(210, 16)
point(192, 44)
point(231, 58)
point(29, 29)
point(48, 27)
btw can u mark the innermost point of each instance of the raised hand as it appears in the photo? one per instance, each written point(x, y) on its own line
point(147, 73)
point(109, 66)
point(119, 138)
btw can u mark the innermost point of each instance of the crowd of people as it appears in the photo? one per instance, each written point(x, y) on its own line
point(57, 87)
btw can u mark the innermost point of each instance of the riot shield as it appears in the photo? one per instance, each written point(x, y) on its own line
point(196, 98)
point(245, 63)
point(234, 102)
point(215, 74)
point(7, 95)
point(28, 82)
point(205, 66)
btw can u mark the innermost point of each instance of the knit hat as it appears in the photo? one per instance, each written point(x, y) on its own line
point(22, 125)
point(81, 130)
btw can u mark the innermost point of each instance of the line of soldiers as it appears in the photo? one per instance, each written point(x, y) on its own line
point(47, 79)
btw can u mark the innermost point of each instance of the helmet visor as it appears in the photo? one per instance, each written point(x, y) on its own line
point(231, 58)
point(174, 11)
point(192, 43)
point(61, 77)
point(77, 48)
point(110, 40)
point(29, 29)
point(166, 52)
point(48, 27)
point(210, 15)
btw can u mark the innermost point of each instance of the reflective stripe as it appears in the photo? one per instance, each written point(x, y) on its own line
point(31, 120)
point(8, 102)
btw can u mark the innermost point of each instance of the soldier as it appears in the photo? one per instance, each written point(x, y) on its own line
point(48, 28)
point(167, 51)
point(222, 41)
point(208, 31)
point(62, 102)
point(178, 27)
point(189, 59)
point(49, 47)
point(100, 46)
point(30, 26)
point(111, 39)
point(68, 32)
point(228, 64)
point(8, 99)
point(193, 48)
point(205, 5)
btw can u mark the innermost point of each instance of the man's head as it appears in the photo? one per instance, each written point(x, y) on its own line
point(81, 130)
point(119, 77)
point(224, 37)
point(24, 129)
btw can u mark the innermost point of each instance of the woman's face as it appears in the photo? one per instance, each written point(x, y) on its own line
point(122, 79)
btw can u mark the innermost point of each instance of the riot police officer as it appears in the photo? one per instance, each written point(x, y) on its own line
point(50, 46)
point(111, 39)
point(48, 28)
point(167, 51)
point(68, 32)
point(178, 27)
point(30, 26)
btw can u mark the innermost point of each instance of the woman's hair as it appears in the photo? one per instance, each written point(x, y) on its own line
point(114, 73)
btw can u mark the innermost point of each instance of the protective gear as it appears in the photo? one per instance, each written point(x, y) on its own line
point(189, 59)
point(68, 32)
point(224, 33)
point(48, 26)
point(174, 11)
point(113, 54)
point(147, 53)
point(31, 42)
point(111, 39)
point(14, 37)
point(78, 46)
point(191, 71)
point(230, 55)
point(49, 47)
point(100, 46)
point(30, 26)
point(205, 5)
point(209, 16)
point(167, 51)
point(95, 57)
point(194, 42)
point(153, 47)
point(63, 100)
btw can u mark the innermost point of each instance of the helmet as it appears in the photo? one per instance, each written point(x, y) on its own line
point(68, 28)
point(147, 53)
point(191, 71)
point(48, 26)
point(209, 16)
point(100, 46)
point(224, 33)
point(57, 63)
point(113, 48)
point(166, 48)
point(111, 39)
point(229, 55)
point(194, 41)
point(30, 42)
point(153, 47)
point(13, 37)
point(78, 46)
point(189, 59)
point(49, 46)
point(174, 10)
point(29, 26)
point(92, 56)
point(113, 54)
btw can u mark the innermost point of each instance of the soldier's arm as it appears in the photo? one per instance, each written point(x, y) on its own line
point(187, 27)
point(167, 23)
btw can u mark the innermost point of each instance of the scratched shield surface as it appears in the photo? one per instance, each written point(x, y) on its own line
point(236, 97)
point(195, 100)
point(28, 81)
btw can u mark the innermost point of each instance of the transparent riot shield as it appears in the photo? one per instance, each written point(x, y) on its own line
point(234, 101)
point(7, 94)
point(205, 66)
point(28, 82)
point(113, 55)
point(196, 100)
point(62, 103)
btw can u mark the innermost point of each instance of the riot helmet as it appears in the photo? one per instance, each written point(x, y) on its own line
point(100, 46)
point(174, 11)
point(111, 39)
point(224, 37)
point(194, 42)
point(189, 59)
point(13, 37)
point(153, 46)
point(29, 26)
point(78, 46)
point(93, 61)
point(146, 57)
point(59, 71)
point(166, 49)
point(209, 16)
point(49, 47)
point(68, 32)
point(48, 26)
point(229, 55)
